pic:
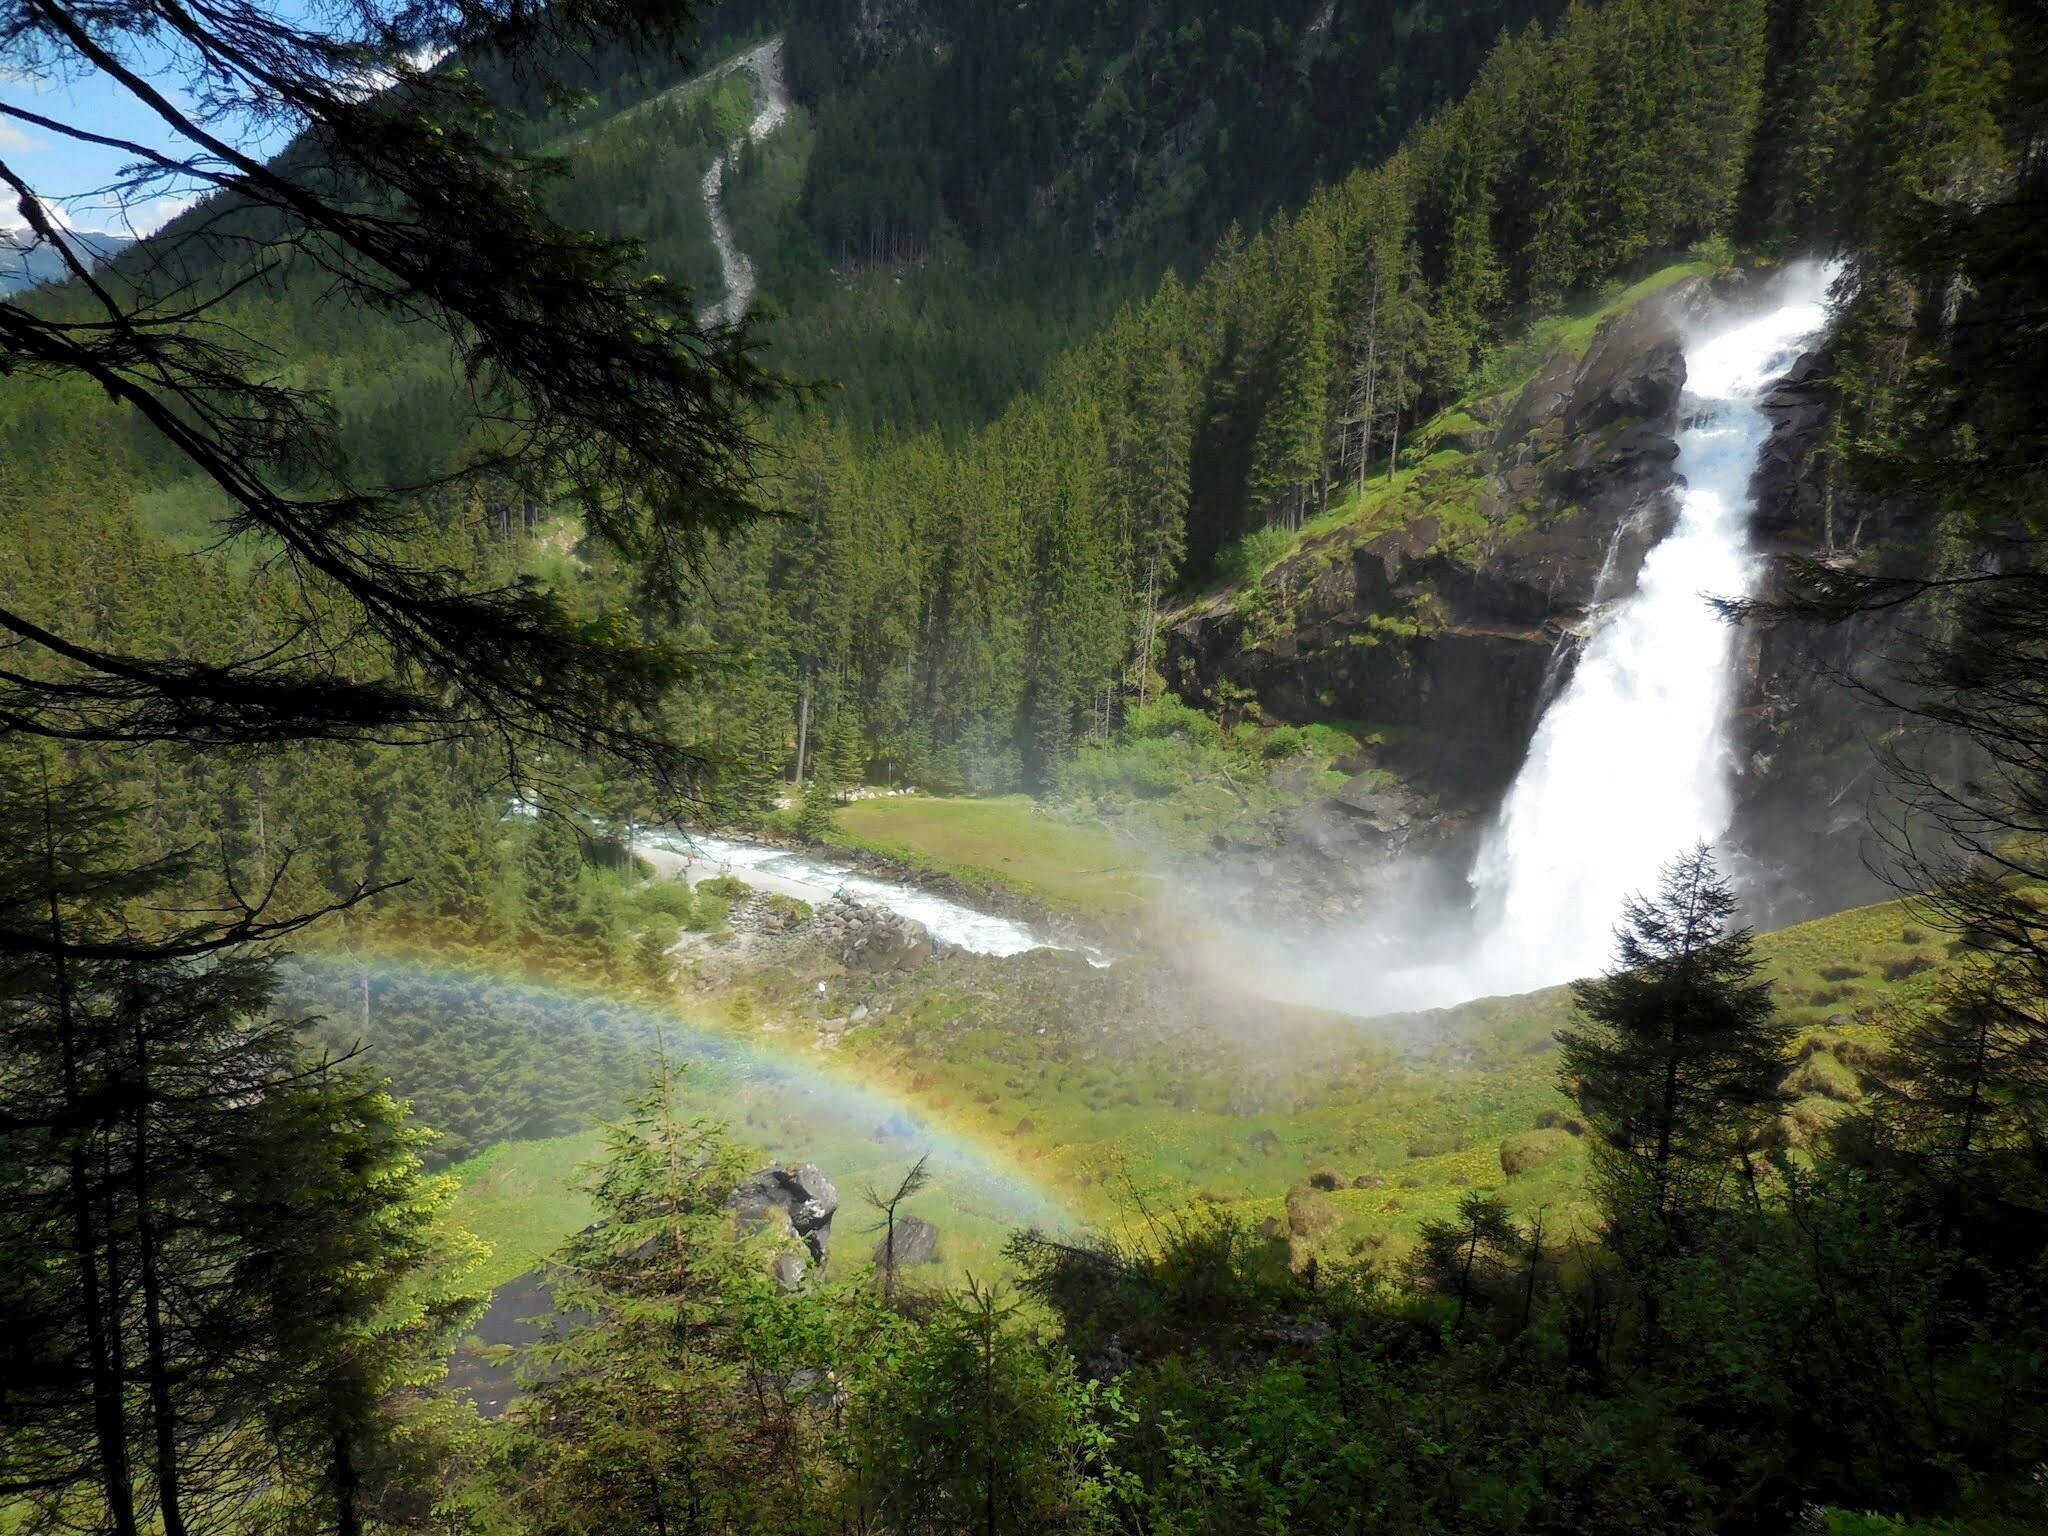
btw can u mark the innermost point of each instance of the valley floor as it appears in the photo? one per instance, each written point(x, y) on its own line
point(1121, 1094)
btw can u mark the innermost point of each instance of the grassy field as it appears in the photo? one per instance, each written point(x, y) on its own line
point(1006, 842)
point(524, 1198)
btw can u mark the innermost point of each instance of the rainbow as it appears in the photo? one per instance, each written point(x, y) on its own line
point(822, 1103)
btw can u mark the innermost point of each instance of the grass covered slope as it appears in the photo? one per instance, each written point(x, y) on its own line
point(1111, 1089)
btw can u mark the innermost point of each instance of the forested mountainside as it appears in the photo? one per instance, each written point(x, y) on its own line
point(1381, 333)
point(1136, 131)
point(969, 611)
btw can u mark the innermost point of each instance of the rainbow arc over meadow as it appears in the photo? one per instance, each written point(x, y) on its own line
point(728, 1071)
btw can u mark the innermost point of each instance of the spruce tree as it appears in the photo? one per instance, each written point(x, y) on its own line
point(553, 877)
point(181, 1312)
point(1676, 1058)
point(1468, 1257)
point(639, 1419)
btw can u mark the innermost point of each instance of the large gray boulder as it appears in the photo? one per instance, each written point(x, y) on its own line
point(796, 1194)
point(916, 1242)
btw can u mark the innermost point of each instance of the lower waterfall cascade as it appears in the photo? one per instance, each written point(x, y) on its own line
point(1631, 762)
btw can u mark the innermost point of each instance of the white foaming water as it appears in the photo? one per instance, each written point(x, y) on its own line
point(981, 933)
point(764, 63)
point(1630, 764)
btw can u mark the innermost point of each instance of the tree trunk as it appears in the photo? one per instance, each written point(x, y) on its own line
point(347, 1486)
point(110, 1429)
point(156, 1356)
point(803, 733)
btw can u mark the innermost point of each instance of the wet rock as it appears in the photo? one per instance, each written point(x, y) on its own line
point(915, 1242)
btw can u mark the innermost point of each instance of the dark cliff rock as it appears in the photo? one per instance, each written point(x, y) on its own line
point(1450, 629)
point(1807, 719)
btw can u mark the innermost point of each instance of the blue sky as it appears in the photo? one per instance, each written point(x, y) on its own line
point(70, 175)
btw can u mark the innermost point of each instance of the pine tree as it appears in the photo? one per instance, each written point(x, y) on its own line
point(1963, 1093)
point(1470, 1256)
point(553, 877)
point(185, 1313)
point(1676, 1059)
point(639, 1422)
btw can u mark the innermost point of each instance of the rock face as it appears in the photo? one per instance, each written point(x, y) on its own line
point(1455, 626)
point(1805, 776)
point(916, 1242)
point(796, 1200)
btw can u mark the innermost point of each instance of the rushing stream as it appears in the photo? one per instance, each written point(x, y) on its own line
point(1630, 764)
point(764, 63)
point(982, 933)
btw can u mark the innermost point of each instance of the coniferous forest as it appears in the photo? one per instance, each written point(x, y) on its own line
point(545, 521)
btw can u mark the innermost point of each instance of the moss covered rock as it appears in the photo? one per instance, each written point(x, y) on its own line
point(1311, 1214)
point(1526, 1150)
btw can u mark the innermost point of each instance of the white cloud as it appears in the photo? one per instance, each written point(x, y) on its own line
point(16, 141)
point(99, 214)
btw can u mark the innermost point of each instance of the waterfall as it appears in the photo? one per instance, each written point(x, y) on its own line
point(1630, 763)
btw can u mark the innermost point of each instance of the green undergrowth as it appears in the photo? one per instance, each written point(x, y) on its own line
point(524, 1198)
point(1172, 779)
point(1070, 1084)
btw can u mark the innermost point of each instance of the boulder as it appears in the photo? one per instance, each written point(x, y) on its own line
point(916, 1242)
point(1527, 1150)
point(1311, 1214)
point(799, 1194)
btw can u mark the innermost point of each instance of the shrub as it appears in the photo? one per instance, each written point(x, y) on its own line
point(1283, 741)
point(725, 888)
point(1841, 973)
point(785, 911)
point(1432, 1143)
point(1825, 1076)
point(664, 898)
point(1311, 1214)
point(1323, 1179)
point(1168, 717)
point(1248, 558)
point(1899, 970)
